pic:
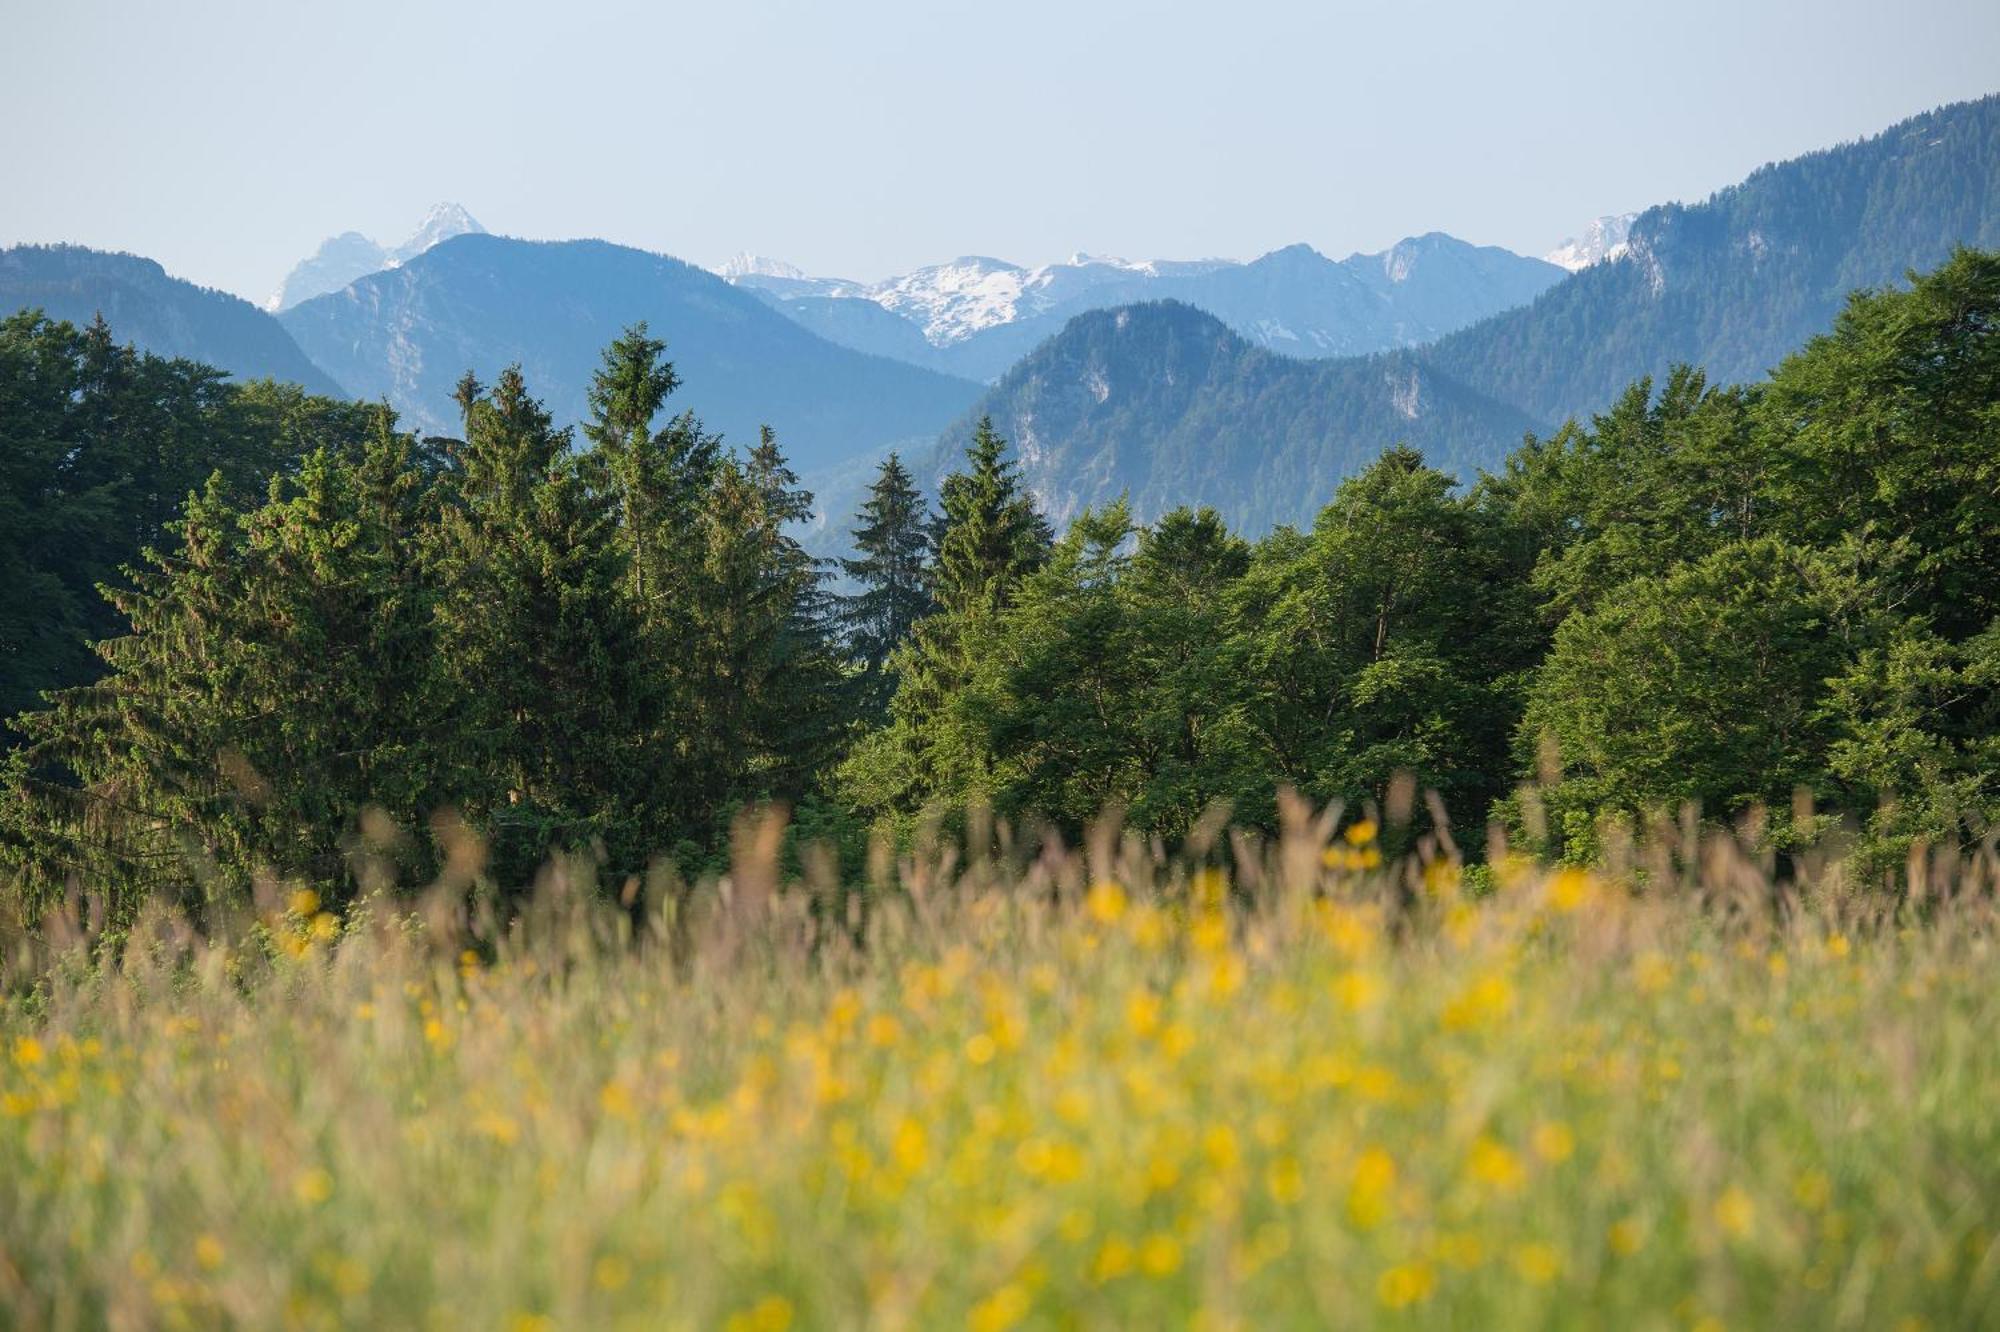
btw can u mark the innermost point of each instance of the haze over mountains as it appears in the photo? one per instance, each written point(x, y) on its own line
point(1251, 386)
point(344, 258)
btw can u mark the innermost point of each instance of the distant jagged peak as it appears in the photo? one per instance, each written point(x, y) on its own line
point(441, 223)
point(1297, 250)
point(745, 264)
point(351, 256)
point(1605, 238)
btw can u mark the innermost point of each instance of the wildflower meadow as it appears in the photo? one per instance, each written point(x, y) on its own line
point(1319, 1088)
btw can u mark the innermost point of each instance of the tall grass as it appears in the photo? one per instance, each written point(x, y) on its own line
point(1102, 1090)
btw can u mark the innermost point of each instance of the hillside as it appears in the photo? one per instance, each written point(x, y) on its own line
point(154, 312)
point(1166, 403)
point(1735, 283)
point(483, 302)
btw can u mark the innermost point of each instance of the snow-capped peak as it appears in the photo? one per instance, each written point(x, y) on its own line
point(745, 264)
point(955, 300)
point(441, 223)
point(1605, 238)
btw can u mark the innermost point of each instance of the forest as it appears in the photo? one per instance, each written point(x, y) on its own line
point(255, 636)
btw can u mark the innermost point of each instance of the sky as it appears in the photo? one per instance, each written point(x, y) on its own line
point(861, 138)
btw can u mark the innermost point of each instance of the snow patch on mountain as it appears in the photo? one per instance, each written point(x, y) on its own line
point(1294, 300)
point(1605, 238)
point(950, 302)
point(440, 224)
point(745, 264)
point(953, 301)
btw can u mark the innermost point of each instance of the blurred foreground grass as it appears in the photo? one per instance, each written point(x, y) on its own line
point(1097, 1092)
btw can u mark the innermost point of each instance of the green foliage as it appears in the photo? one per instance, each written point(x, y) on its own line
point(538, 641)
point(1705, 684)
point(1389, 639)
point(1791, 585)
point(271, 684)
point(892, 575)
point(1110, 680)
point(988, 539)
point(99, 445)
point(603, 651)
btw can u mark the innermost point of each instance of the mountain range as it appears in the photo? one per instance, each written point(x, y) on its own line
point(1733, 284)
point(977, 316)
point(1251, 386)
point(480, 302)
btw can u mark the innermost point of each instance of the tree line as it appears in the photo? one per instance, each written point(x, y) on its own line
point(1709, 596)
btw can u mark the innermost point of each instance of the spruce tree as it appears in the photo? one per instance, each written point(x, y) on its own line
point(539, 643)
point(770, 697)
point(988, 539)
point(272, 683)
point(990, 535)
point(893, 541)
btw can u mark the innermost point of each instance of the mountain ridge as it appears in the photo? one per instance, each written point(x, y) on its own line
point(1165, 404)
point(1734, 283)
point(156, 312)
point(483, 302)
point(978, 315)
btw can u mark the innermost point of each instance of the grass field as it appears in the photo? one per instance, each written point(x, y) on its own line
point(1314, 1093)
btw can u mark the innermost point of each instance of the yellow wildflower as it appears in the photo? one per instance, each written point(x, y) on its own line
point(1735, 1212)
point(1554, 1142)
point(313, 1187)
point(1160, 1255)
point(1368, 1190)
point(1405, 1284)
point(1538, 1264)
point(1105, 902)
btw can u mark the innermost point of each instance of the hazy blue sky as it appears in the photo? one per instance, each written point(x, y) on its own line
point(861, 137)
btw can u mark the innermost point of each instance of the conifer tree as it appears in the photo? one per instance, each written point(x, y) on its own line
point(272, 683)
point(539, 644)
point(893, 541)
point(990, 535)
point(771, 693)
point(989, 538)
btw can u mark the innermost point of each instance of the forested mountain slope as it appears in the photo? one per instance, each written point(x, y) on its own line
point(1735, 283)
point(1166, 403)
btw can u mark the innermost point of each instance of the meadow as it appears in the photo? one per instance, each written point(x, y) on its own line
point(1292, 1084)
